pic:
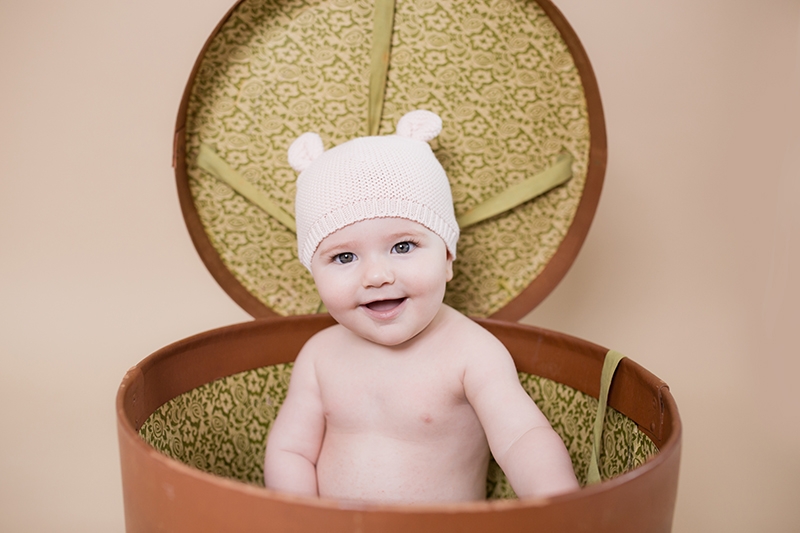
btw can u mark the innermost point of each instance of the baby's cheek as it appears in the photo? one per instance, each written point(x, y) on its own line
point(330, 294)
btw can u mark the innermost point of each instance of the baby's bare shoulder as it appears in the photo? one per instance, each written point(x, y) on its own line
point(484, 361)
point(312, 354)
point(324, 341)
point(474, 338)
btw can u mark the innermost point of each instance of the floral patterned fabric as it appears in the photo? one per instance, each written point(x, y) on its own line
point(222, 427)
point(497, 72)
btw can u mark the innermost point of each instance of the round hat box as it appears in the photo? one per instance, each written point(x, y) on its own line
point(524, 147)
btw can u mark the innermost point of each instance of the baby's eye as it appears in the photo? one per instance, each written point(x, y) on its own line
point(344, 258)
point(403, 247)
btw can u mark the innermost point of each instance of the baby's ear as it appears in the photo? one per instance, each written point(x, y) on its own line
point(304, 150)
point(420, 125)
point(449, 266)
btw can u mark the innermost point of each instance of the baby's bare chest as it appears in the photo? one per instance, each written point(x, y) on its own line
point(425, 401)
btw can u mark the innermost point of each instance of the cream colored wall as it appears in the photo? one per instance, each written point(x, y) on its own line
point(692, 261)
point(689, 268)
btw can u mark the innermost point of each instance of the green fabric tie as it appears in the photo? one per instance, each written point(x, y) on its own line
point(609, 368)
point(379, 65)
point(520, 193)
point(212, 163)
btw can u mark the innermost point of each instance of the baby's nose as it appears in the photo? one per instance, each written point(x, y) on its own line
point(377, 273)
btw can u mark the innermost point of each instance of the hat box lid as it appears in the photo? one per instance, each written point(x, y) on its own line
point(509, 78)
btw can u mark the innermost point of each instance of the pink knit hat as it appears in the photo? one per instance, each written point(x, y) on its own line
point(372, 177)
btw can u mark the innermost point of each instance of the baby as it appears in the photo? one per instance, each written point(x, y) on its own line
point(403, 400)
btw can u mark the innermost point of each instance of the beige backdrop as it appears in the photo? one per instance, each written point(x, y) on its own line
point(690, 267)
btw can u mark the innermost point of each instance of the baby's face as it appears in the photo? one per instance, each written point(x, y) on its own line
point(383, 279)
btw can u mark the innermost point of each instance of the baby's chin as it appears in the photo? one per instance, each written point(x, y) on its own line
point(388, 335)
point(391, 342)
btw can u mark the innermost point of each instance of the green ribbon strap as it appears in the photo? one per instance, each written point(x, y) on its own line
point(379, 65)
point(609, 368)
point(212, 163)
point(520, 193)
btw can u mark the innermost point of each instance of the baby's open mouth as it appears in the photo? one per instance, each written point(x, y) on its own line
point(384, 305)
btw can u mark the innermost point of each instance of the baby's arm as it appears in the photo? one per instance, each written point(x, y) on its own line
point(296, 436)
point(523, 443)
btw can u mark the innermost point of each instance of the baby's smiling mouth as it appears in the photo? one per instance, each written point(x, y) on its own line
point(381, 306)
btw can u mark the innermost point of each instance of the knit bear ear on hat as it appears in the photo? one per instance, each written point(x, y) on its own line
point(420, 125)
point(304, 150)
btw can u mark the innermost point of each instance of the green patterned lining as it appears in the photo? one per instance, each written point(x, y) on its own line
point(222, 427)
point(496, 71)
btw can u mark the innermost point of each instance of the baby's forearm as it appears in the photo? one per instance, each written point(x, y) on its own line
point(538, 464)
point(291, 472)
